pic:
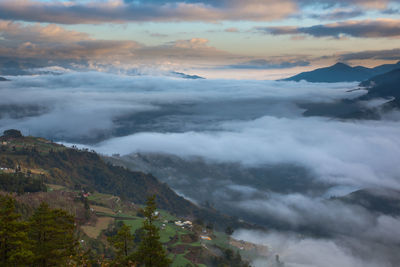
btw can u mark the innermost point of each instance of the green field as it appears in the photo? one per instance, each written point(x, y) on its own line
point(134, 224)
point(99, 197)
point(221, 240)
point(181, 261)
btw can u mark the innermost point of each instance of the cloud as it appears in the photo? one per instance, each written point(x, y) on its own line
point(390, 54)
point(118, 11)
point(327, 217)
point(98, 88)
point(269, 125)
point(367, 4)
point(196, 43)
point(254, 128)
point(139, 11)
point(264, 64)
point(39, 33)
point(201, 119)
point(50, 45)
point(338, 14)
point(266, 140)
point(297, 251)
point(232, 29)
point(54, 43)
point(27, 47)
point(158, 35)
point(187, 52)
point(379, 28)
point(391, 11)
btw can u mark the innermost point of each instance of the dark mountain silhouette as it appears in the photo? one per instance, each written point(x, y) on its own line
point(341, 72)
point(186, 76)
point(11, 66)
point(385, 201)
point(386, 86)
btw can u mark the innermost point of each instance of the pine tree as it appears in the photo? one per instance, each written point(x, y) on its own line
point(52, 234)
point(14, 242)
point(151, 252)
point(123, 243)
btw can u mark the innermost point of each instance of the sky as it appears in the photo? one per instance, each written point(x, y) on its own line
point(253, 39)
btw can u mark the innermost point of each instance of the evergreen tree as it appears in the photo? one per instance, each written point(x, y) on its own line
point(151, 252)
point(14, 242)
point(123, 243)
point(52, 234)
point(229, 230)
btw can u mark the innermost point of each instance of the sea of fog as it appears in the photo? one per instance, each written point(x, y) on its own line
point(255, 128)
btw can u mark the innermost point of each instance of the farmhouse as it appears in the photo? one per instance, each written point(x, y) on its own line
point(183, 224)
point(204, 237)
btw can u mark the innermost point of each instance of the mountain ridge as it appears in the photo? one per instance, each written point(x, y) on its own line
point(383, 86)
point(341, 72)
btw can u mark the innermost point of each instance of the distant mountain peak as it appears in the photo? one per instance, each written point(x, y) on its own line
point(341, 72)
point(341, 64)
point(186, 76)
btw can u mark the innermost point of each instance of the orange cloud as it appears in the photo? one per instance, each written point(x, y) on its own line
point(39, 33)
point(53, 43)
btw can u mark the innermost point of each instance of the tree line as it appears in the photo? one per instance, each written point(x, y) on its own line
point(49, 238)
point(21, 183)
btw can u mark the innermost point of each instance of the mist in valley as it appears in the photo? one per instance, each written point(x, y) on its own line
point(242, 147)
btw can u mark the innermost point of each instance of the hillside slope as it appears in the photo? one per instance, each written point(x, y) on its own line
point(385, 202)
point(384, 85)
point(101, 197)
point(82, 169)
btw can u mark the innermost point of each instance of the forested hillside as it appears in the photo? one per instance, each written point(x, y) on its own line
point(84, 170)
point(100, 203)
